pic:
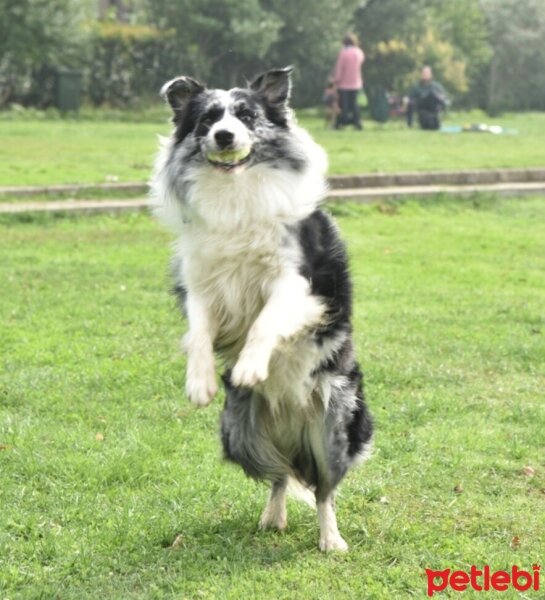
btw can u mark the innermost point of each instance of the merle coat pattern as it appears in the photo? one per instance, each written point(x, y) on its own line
point(262, 276)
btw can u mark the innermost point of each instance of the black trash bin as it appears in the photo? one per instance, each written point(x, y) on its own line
point(68, 90)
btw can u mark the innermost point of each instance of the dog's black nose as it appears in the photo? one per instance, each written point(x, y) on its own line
point(224, 138)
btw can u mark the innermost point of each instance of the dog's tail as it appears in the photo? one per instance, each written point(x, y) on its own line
point(301, 492)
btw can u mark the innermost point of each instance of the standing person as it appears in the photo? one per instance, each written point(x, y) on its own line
point(349, 82)
point(427, 98)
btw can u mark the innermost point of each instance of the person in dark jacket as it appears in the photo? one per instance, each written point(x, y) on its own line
point(427, 98)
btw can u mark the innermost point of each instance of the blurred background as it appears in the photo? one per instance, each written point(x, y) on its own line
point(489, 54)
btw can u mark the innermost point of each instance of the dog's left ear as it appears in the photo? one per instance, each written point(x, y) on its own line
point(274, 85)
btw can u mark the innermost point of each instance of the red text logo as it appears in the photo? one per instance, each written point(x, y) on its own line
point(483, 580)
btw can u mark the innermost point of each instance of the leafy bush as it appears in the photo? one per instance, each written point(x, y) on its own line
point(128, 62)
point(400, 36)
point(516, 76)
point(36, 38)
point(224, 42)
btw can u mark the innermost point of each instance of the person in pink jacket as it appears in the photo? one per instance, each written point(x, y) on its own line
point(347, 76)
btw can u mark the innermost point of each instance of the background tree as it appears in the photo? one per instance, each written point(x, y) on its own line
point(225, 41)
point(400, 36)
point(310, 38)
point(487, 53)
point(128, 63)
point(216, 39)
point(515, 78)
point(36, 37)
point(463, 25)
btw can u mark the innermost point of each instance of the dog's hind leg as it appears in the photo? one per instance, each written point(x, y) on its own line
point(275, 515)
point(330, 538)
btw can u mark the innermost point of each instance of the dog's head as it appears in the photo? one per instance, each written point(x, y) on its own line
point(232, 130)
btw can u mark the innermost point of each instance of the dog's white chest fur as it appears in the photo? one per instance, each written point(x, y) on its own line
point(232, 272)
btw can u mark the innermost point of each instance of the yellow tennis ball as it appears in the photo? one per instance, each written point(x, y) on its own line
point(229, 156)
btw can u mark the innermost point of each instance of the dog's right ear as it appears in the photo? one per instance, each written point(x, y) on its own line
point(178, 92)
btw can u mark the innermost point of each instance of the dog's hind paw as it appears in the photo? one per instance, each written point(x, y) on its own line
point(273, 520)
point(333, 542)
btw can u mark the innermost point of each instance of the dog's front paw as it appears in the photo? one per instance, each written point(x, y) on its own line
point(200, 382)
point(251, 368)
point(332, 541)
point(201, 391)
point(200, 385)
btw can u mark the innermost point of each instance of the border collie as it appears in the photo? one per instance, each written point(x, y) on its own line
point(262, 277)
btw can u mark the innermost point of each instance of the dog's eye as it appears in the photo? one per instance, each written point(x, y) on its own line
point(246, 116)
point(211, 116)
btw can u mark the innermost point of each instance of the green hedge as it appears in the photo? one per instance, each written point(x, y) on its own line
point(128, 63)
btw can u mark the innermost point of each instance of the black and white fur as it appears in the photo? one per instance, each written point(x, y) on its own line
point(263, 279)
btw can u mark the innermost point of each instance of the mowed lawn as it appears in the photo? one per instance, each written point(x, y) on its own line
point(112, 486)
point(42, 152)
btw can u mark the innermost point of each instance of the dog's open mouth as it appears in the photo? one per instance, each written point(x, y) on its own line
point(229, 159)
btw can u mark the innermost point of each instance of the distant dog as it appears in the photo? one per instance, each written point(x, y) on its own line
point(330, 100)
point(263, 279)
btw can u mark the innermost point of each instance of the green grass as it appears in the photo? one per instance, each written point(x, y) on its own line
point(57, 152)
point(45, 152)
point(103, 463)
point(393, 147)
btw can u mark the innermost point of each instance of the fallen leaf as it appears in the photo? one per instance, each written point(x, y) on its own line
point(177, 541)
point(515, 542)
point(529, 471)
point(459, 489)
point(99, 437)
